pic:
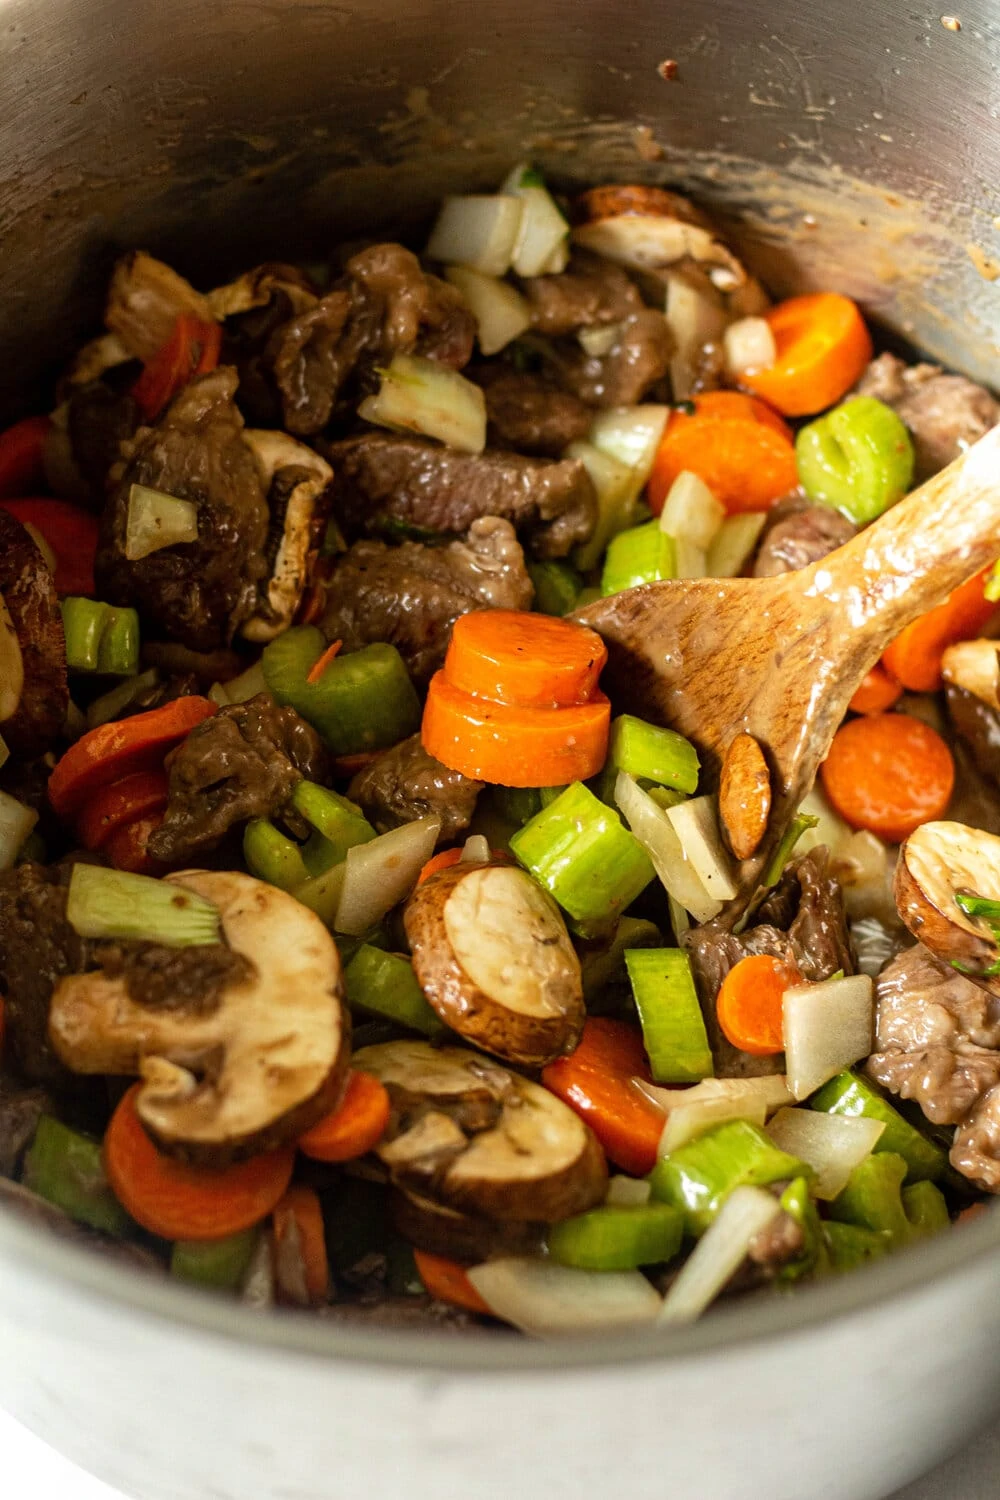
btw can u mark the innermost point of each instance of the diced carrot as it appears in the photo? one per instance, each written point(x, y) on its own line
point(443, 860)
point(299, 1236)
point(127, 848)
point(70, 533)
point(877, 692)
point(192, 349)
point(181, 1202)
point(514, 746)
point(321, 663)
point(118, 749)
point(888, 773)
point(446, 1281)
point(822, 346)
point(748, 1004)
point(742, 450)
point(914, 658)
point(525, 660)
point(354, 1127)
point(600, 1082)
point(121, 802)
point(21, 449)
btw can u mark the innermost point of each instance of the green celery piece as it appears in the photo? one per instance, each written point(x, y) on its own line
point(648, 752)
point(814, 1259)
point(83, 624)
point(873, 1199)
point(665, 796)
point(66, 1169)
point(119, 650)
point(925, 1208)
point(673, 1028)
point(516, 804)
point(850, 1246)
point(701, 1174)
point(219, 1264)
point(384, 984)
point(849, 1094)
point(364, 700)
point(105, 903)
point(402, 1278)
point(548, 794)
point(321, 893)
point(339, 823)
point(584, 856)
point(614, 1238)
point(604, 967)
point(557, 586)
point(857, 459)
point(272, 856)
point(643, 554)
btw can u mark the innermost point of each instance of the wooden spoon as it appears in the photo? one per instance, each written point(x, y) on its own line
point(782, 657)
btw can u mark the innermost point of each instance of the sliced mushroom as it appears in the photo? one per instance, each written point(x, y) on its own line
point(34, 695)
point(251, 1069)
point(91, 362)
point(471, 1136)
point(937, 864)
point(464, 1237)
point(648, 229)
point(974, 666)
point(257, 287)
point(492, 955)
point(296, 479)
point(145, 299)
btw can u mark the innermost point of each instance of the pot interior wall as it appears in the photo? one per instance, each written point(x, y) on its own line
point(854, 148)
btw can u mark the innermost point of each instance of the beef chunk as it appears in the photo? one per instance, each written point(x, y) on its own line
point(20, 1111)
point(254, 311)
point(405, 783)
point(37, 948)
point(410, 481)
point(802, 922)
point(412, 595)
point(945, 413)
point(528, 413)
point(639, 357)
point(798, 534)
point(98, 420)
point(197, 592)
point(243, 763)
point(590, 293)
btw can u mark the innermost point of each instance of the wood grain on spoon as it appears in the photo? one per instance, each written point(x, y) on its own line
point(782, 657)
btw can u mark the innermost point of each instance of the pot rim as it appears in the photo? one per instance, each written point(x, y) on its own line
point(757, 1318)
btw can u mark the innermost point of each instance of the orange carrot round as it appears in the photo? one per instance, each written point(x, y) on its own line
point(527, 660)
point(888, 773)
point(600, 1082)
point(447, 1281)
point(127, 848)
point(180, 1202)
point(822, 347)
point(742, 450)
point(748, 1004)
point(354, 1127)
point(299, 1232)
point(135, 796)
point(914, 658)
point(877, 692)
point(443, 860)
point(118, 749)
point(509, 746)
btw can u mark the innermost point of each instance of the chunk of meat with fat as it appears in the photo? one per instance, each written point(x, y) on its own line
point(405, 783)
point(590, 293)
point(945, 413)
point(528, 413)
point(638, 358)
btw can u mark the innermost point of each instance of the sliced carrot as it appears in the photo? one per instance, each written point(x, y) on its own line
point(914, 658)
point(299, 1236)
point(748, 1004)
point(181, 1202)
point(446, 1281)
point(443, 860)
point(118, 749)
point(514, 746)
point(192, 349)
point(877, 692)
point(741, 449)
point(822, 346)
point(320, 665)
point(135, 796)
point(127, 848)
point(888, 773)
point(21, 448)
point(600, 1082)
point(354, 1127)
point(71, 534)
point(526, 660)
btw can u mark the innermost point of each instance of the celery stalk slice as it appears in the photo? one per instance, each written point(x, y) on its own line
point(384, 984)
point(650, 753)
point(272, 856)
point(115, 904)
point(219, 1264)
point(614, 1238)
point(673, 1027)
point(700, 1175)
point(65, 1168)
point(643, 554)
point(364, 700)
point(849, 1094)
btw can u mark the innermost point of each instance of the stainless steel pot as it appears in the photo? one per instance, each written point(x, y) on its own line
point(851, 147)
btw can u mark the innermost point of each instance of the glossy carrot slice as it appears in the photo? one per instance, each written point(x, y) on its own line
point(823, 346)
point(526, 660)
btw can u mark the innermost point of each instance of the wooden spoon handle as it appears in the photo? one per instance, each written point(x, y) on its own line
point(921, 549)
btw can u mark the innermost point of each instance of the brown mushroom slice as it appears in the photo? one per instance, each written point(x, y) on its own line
point(145, 299)
point(648, 229)
point(939, 865)
point(469, 1238)
point(492, 955)
point(472, 1136)
point(257, 287)
point(296, 479)
point(34, 696)
point(245, 1069)
point(974, 666)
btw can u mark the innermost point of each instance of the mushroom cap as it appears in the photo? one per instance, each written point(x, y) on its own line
point(469, 1238)
point(648, 229)
point(936, 863)
point(304, 512)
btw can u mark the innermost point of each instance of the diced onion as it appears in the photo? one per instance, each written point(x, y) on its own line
point(11, 665)
point(690, 561)
point(244, 687)
point(865, 869)
point(696, 317)
point(689, 1111)
point(826, 1028)
point(380, 873)
point(500, 311)
point(111, 704)
point(686, 1120)
point(476, 849)
point(541, 244)
point(749, 345)
point(631, 434)
point(16, 822)
point(156, 520)
point(696, 824)
point(617, 491)
point(545, 1299)
point(833, 1145)
point(718, 1254)
point(628, 1192)
point(597, 342)
point(659, 838)
point(831, 829)
point(478, 231)
point(734, 544)
point(691, 512)
point(422, 395)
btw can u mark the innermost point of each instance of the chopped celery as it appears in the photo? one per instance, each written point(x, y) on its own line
point(857, 459)
point(650, 753)
point(579, 850)
point(814, 1257)
point(321, 893)
point(156, 520)
point(643, 554)
point(516, 804)
point(614, 1238)
point(603, 968)
point(557, 586)
point(925, 1208)
point(339, 825)
point(850, 1246)
point(874, 1199)
point(429, 397)
point(66, 1169)
point(848, 1094)
point(734, 544)
point(219, 1264)
point(796, 828)
point(384, 984)
point(363, 700)
point(700, 1175)
point(673, 1028)
point(272, 856)
point(100, 638)
point(116, 904)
